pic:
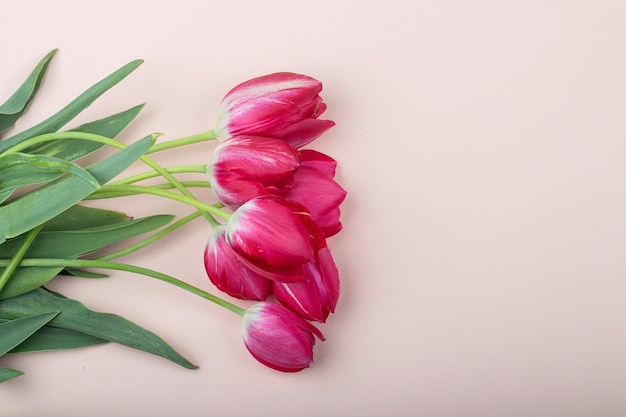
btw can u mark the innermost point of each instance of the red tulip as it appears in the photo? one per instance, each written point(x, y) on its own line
point(279, 338)
point(282, 105)
point(268, 233)
point(245, 167)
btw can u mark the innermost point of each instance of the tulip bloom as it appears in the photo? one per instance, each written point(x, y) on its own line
point(228, 273)
point(282, 105)
point(245, 167)
point(279, 338)
point(276, 238)
point(272, 237)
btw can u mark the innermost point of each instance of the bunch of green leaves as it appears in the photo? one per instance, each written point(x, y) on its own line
point(44, 231)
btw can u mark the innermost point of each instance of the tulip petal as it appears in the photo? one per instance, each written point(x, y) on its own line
point(229, 274)
point(303, 132)
point(316, 297)
point(321, 195)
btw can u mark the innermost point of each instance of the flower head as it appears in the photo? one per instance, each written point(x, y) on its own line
point(245, 167)
point(267, 232)
point(283, 105)
point(279, 338)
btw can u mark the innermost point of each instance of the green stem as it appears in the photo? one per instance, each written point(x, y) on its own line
point(88, 263)
point(187, 140)
point(10, 268)
point(151, 174)
point(140, 189)
point(139, 245)
point(111, 142)
point(105, 193)
point(63, 135)
point(172, 180)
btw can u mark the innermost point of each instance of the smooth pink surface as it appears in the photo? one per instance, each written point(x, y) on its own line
point(483, 148)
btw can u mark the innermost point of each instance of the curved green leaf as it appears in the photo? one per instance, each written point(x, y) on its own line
point(14, 332)
point(20, 169)
point(82, 217)
point(5, 194)
point(67, 113)
point(53, 338)
point(70, 150)
point(17, 104)
point(6, 374)
point(75, 316)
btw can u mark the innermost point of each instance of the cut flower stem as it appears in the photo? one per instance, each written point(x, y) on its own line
point(187, 140)
point(89, 263)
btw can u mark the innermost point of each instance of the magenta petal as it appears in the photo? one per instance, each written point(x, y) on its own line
point(318, 160)
point(228, 274)
point(316, 297)
point(303, 132)
point(321, 195)
point(266, 231)
point(302, 297)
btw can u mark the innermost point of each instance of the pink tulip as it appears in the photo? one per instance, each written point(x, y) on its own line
point(315, 297)
point(245, 167)
point(282, 105)
point(229, 274)
point(268, 233)
point(279, 338)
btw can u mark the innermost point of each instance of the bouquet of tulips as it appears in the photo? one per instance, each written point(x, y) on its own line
point(275, 206)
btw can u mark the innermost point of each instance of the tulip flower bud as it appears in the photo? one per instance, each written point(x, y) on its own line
point(279, 338)
point(282, 105)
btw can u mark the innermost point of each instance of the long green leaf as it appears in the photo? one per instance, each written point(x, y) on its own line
point(53, 338)
point(17, 104)
point(76, 272)
point(44, 203)
point(14, 332)
point(70, 150)
point(75, 243)
point(75, 316)
point(5, 194)
point(66, 114)
point(21, 169)
point(7, 373)
point(69, 245)
point(82, 217)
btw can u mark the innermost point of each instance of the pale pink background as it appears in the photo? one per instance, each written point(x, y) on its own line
point(483, 145)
